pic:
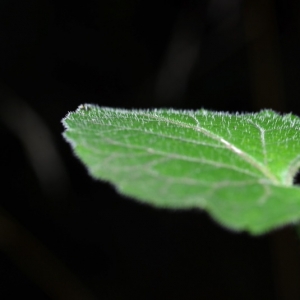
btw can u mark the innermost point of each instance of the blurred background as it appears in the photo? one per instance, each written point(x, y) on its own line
point(66, 236)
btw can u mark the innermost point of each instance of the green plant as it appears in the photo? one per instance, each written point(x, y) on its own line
point(237, 167)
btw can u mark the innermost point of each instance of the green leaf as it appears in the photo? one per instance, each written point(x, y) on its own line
point(237, 167)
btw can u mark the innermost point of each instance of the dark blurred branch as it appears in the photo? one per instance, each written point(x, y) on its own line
point(261, 34)
point(38, 143)
point(268, 92)
point(38, 263)
point(181, 56)
point(210, 24)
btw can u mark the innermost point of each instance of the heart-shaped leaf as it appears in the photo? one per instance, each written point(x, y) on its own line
point(237, 167)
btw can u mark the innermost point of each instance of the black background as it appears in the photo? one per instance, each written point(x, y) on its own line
point(56, 55)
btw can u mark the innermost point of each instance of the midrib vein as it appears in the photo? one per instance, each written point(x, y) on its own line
point(247, 158)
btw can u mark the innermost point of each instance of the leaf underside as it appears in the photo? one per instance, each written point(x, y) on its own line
point(237, 167)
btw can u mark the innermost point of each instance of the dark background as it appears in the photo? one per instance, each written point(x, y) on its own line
point(66, 236)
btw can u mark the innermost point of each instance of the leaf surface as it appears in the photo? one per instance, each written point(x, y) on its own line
point(237, 167)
